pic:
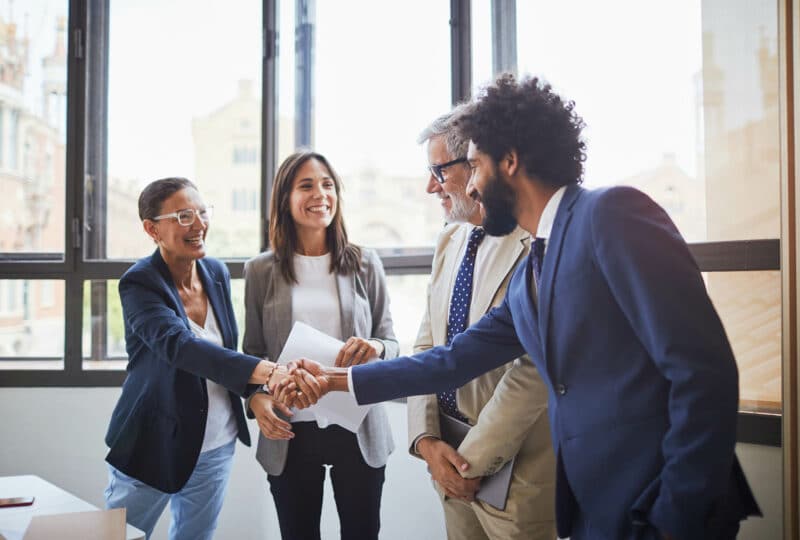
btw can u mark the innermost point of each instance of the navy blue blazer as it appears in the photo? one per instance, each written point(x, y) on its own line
point(642, 382)
point(156, 430)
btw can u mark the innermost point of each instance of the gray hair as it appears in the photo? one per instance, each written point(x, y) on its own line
point(158, 191)
point(445, 126)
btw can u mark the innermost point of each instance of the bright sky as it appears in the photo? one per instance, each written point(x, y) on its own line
point(377, 85)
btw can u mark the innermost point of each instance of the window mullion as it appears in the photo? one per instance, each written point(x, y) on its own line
point(269, 112)
point(460, 50)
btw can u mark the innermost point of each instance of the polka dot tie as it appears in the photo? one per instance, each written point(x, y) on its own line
point(459, 312)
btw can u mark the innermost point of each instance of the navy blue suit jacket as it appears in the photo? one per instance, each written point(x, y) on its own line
point(643, 386)
point(156, 430)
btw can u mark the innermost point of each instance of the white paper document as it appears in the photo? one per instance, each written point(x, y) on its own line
point(339, 408)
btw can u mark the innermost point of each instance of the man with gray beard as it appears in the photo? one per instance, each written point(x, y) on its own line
point(507, 407)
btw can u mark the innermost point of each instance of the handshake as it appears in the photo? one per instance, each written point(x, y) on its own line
point(302, 383)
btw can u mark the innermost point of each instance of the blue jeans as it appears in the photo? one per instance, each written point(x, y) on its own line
point(194, 508)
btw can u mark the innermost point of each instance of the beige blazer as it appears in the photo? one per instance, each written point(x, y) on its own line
point(364, 308)
point(507, 407)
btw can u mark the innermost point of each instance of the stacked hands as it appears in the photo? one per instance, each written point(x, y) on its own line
point(303, 382)
point(300, 384)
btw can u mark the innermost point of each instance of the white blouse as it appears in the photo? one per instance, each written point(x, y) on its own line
point(220, 422)
point(315, 301)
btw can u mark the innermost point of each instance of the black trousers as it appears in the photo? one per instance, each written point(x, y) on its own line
point(357, 487)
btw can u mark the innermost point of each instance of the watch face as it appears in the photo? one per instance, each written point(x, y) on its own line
point(265, 388)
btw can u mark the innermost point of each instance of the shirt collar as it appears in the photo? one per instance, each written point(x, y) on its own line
point(549, 214)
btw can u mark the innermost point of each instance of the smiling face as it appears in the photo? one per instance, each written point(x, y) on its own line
point(496, 197)
point(176, 241)
point(313, 199)
point(456, 204)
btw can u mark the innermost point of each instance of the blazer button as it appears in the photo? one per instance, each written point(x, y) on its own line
point(562, 390)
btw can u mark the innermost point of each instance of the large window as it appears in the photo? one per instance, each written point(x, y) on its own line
point(90, 112)
point(31, 324)
point(356, 112)
point(98, 98)
point(33, 90)
point(688, 115)
point(185, 101)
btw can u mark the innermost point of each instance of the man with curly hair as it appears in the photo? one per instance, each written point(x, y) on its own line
point(612, 309)
point(505, 408)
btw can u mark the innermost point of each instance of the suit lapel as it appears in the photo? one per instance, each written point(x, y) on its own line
point(216, 294)
point(160, 265)
point(281, 302)
point(347, 297)
point(552, 255)
point(442, 287)
point(506, 256)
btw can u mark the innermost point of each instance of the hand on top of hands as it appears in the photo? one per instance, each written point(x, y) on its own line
point(357, 351)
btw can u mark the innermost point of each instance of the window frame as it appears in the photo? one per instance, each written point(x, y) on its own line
point(87, 90)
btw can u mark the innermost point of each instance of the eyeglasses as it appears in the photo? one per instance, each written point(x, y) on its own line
point(186, 216)
point(437, 170)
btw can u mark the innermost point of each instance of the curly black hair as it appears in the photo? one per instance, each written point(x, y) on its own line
point(527, 116)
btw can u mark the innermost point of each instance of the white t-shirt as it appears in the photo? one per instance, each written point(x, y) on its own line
point(315, 301)
point(220, 422)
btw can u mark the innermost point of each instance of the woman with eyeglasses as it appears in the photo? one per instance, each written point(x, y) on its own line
point(172, 434)
point(314, 275)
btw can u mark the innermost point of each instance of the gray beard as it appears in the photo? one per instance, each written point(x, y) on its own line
point(461, 209)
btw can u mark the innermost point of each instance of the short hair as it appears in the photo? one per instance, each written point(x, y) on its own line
point(529, 117)
point(455, 143)
point(156, 192)
point(345, 257)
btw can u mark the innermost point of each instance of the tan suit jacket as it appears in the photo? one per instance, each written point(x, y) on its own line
point(507, 407)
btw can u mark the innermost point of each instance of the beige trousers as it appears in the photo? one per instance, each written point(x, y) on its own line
point(480, 521)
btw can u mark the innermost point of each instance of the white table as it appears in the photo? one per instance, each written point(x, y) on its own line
point(50, 499)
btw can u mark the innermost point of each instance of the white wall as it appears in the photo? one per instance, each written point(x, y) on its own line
point(57, 433)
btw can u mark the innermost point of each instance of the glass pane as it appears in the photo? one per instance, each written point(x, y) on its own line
point(184, 104)
point(31, 324)
point(685, 109)
point(407, 294)
point(749, 304)
point(481, 31)
point(360, 116)
point(103, 341)
point(33, 119)
point(104, 327)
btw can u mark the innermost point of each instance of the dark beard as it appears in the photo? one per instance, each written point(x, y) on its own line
point(498, 201)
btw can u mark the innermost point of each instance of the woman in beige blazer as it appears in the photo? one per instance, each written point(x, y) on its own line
point(314, 275)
